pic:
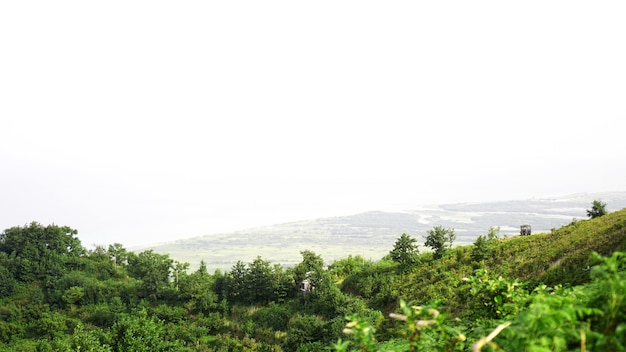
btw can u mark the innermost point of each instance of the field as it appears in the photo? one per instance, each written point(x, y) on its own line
point(372, 234)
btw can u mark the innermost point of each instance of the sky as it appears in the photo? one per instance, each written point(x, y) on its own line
point(139, 122)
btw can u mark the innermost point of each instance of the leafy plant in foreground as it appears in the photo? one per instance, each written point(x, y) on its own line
point(495, 298)
point(590, 317)
point(423, 329)
point(610, 297)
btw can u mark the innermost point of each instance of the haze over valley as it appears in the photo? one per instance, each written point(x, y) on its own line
point(372, 234)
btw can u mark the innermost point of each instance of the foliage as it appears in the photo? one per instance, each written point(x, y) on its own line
point(426, 328)
point(7, 281)
point(588, 317)
point(257, 282)
point(305, 330)
point(493, 233)
point(423, 329)
point(376, 282)
point(36, 251)
point(405, 251)
point(153, 269)
point(139, 333)
point(197, 290)
point(598, 209)
point(73, 294)
point(342, 268)
point(312, 264)
point(533, 293)
point(439, 239)
point(591, 316)
point(494, 298)
point(610, 298)
point(363, 335)
point(481, 249)
point(118, 254)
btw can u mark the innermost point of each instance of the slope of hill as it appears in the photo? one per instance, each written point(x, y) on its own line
point(561, 256)
point(372, 234)
point(580, 305)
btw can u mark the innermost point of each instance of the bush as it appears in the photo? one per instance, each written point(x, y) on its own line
point(273, 316)
point(307, 330)
point(598, 209)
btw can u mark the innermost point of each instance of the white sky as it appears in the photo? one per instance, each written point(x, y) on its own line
point(146, 121)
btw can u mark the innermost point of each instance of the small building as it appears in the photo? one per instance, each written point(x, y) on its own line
point(524, 230)
point(306, 286)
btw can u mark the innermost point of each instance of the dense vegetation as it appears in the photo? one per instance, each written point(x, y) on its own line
point(563, 290)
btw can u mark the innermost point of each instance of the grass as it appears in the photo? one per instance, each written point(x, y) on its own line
point(561, 256)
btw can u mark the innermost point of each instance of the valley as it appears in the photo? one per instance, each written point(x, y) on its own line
point(372, 234)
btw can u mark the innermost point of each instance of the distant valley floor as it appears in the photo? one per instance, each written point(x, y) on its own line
point(372, 234)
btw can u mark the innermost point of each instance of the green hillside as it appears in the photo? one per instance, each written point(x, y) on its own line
point(544, 292)
point(562, 255)
point(558, 257)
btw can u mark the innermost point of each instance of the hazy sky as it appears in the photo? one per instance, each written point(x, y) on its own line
point(144, 121)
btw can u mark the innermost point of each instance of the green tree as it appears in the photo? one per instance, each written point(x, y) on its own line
point(259, 281)
point(342, 268)
point(38, 252)
point(138, 333)
point(7, 282)
point(179, 269)
point(307, 333)
point(405, 251)
point(481, 250)
point(73, 294)
point(234, 287)
point(598, 209)
point(325, 298)
point(99, 263)
point(86, 340)
point(494, 233)
point(439, 239)
point(197, 290)
point(256, 282)
point(311, 268)
point(118, 254)
point(153, 270)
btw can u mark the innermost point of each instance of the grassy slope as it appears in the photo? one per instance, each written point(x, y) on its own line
point(558, 257)
point(561, 256)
